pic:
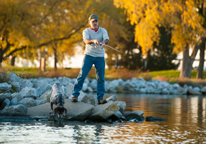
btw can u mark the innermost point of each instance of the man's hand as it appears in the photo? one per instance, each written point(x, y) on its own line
point(95, 41)
point(103, 44)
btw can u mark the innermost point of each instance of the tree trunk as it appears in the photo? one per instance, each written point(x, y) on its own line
point(186, 64)
point(1, 57)
point(187, 60)
point(13, 60)
point(55, 59)
point(201, 62)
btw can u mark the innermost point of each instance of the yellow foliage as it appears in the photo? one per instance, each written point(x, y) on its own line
point(181, 16)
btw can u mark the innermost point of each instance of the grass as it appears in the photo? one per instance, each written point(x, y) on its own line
point(172, 76)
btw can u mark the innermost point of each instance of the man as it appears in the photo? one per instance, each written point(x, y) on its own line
point(95, 38)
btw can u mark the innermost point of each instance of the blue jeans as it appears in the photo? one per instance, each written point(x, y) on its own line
point(99, 64)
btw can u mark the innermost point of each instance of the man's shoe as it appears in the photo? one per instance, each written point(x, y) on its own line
point(74, 99)
point(102, 101)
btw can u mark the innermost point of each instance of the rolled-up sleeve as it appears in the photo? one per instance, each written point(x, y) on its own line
point(105, 35)
point(85, 35)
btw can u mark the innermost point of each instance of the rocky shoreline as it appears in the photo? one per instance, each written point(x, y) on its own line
point(30, 97)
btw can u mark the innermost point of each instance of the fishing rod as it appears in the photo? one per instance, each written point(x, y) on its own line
point(111, 47)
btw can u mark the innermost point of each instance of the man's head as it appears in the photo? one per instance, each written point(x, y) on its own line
point(93, 21)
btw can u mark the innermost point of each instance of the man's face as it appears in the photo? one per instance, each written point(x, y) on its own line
point(93, 24)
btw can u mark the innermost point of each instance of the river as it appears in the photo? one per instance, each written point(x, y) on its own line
point(185, 122)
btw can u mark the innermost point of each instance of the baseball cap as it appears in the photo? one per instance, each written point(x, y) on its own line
point(93, 17)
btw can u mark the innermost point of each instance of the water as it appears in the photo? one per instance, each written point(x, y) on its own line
point(185, 122)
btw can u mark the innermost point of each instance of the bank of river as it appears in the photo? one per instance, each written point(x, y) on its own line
point(185, 122)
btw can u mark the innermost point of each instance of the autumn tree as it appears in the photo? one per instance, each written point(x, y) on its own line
point(182, 17)
point(28, 25)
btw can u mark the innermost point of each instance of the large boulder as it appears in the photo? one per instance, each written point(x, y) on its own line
point(112, 98)
point(116, 116)
point(16, 86)
point(203, 90)
point(45, 96)
point(104, 111)
point(12, 77)
point(121, 105)
point(89, 99)
point(84, 87)
point(69, 89)
point(43, 88)
point(192, 92)
point(75, 111)
point(16, 109)
point(28, 92)
point(14, 101)
point(5, 87)
point(17, 96)
point(93, 84)
point(4, 96)
point(26, 83)
point(29, 102)
point(134, 115)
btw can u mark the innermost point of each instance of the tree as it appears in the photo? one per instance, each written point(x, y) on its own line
point(161, 57)
point(28, 25)
point(181, 16)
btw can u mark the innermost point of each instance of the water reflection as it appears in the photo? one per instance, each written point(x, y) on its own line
point(185, 123)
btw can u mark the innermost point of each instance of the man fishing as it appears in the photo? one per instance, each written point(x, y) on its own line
point(95, 38)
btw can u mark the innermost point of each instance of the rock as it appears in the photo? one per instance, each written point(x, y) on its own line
point(5, 103)
point(196, 89)
point(28, 92)
point(89, 99)
point(121, 105)
point(69, 89)
point(16, 86)
point(121, 82)
point(116, 116)
point(26, 83)
point(93, 84)
point(42, 88)
point(150, 118)
point(108, 86)
point(13, 78)
point(16, 109)
point(192, 92)
point(203, 90)
point(150, 89)
point(104, 111)
point(134, 115)
point(129, 87)
point(75, 111)
point(45, 96)
point(64, 81)
point(151, 84)
point(165, 91)
point(17, 96)
point(39, 102)
point(112, 98)
point(90, 89)
point(29, 102)
point(85, 86)
point(86, 81)
point(4, 96)
point(143, 90)
point(5, 87)
point(182, 91)
point(14, 101)
point(176, 86)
